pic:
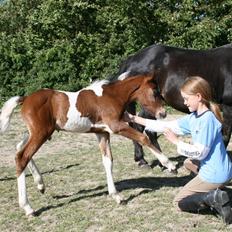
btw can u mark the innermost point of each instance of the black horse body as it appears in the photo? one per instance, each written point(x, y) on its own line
point(170, 66)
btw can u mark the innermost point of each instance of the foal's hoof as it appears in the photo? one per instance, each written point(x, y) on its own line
point(117, 198)
point(31, 214)
point(41, 188)
point(42, 191)
point(172, 171)
point(172, 168)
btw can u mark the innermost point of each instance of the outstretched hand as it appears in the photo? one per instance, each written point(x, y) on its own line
point(169, 135)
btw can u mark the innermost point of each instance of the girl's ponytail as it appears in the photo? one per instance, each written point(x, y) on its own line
point(216, 110)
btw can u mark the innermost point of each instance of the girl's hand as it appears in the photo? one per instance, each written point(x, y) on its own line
point(169, 135)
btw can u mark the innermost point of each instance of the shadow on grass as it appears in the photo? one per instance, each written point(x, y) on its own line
point(152, 183)
point(78, 198)
point(148, 184)
point(43, 173)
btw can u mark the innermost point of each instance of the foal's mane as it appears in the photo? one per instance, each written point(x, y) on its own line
point(99, 83)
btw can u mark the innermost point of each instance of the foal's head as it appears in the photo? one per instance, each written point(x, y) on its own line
point(150, 99)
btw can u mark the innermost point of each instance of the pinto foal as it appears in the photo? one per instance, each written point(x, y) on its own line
point(97, 109)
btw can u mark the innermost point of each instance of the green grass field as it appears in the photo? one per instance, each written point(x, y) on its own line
point(76, 193)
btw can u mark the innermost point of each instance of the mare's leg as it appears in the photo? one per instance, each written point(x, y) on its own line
point(23, 157)
point(227, 124)
point(123, 129)
point(107, 159)
point(138, 149)
point(32, 166)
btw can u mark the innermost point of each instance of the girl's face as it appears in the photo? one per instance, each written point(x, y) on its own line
point(191, 101)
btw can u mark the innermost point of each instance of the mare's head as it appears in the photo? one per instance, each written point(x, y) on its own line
point(150, 98)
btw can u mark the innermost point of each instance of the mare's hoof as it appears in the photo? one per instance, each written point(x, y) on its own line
point(143, 164)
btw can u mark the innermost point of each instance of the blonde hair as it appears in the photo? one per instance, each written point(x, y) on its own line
point(196, 84)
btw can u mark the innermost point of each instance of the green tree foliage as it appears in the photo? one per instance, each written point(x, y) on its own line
point(64, 44)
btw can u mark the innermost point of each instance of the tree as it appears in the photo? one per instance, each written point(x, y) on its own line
point(66, 44)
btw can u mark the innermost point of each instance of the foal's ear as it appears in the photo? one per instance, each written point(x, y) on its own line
point(150, 79)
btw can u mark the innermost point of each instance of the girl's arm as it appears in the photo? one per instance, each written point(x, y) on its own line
point(134, 118)
point(153, 125)
point(194, 151)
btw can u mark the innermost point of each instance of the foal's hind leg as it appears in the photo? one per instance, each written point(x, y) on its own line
point(32, 166)
point(107, 159)
point(36, 176)
point(22, 159)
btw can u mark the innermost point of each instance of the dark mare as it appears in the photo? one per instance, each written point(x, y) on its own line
point(96, 109)
point(170, 66)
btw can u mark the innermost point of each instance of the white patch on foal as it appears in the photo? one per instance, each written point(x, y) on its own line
point(75, 122)
point(108, 168)
point(96, 87)
point(22, 193)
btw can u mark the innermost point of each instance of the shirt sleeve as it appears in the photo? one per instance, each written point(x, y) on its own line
point(160, 126)
point(195, 151)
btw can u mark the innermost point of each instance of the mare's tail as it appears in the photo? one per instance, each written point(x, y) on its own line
point(7, 110)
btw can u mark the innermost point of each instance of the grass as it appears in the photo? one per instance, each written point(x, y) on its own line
point(76, 193)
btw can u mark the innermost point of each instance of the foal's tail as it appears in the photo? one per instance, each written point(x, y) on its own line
point(7, 110)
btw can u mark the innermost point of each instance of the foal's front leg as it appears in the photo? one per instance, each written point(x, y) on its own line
point(123, 129)
point(107, 159)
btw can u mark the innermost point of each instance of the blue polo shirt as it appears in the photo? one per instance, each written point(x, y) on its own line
point(205, 129)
